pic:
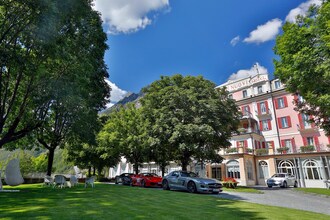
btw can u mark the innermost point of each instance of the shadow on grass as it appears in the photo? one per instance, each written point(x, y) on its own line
point(118, 202)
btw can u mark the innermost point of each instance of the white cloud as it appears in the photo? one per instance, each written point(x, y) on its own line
point(234, 41)
point(301, 10)
point(126, 16)
point(116, 93)
point(265, 32)
point(248, 72)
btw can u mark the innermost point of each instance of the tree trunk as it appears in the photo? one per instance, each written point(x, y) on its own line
point(184, 164)
point(89, 171)
point(94, 171)
point(163, 170)
point(51, 152)
point(136, 168)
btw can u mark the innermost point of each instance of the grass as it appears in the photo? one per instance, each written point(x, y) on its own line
point(320, 191)
point(242, 189)
point(122, 202)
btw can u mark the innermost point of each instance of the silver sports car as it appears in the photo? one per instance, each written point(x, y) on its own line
point(182, 180)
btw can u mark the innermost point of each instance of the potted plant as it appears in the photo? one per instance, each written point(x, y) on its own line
point(231, 150)
point(249, 150)
point(308, 148)
point(262, 151)
point(282, 150)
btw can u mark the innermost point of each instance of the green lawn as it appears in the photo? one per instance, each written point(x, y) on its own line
point(315, 190)
point(123, 202)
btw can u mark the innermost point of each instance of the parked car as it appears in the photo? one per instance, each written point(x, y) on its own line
point(146, 180)
point(124, 178)
point(189, 181)
point(283, 180)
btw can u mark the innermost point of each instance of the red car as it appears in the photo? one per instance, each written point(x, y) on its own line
point(146, 180)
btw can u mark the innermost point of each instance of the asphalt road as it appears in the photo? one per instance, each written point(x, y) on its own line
point(288, 198)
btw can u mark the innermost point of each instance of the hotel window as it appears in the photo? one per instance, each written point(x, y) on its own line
point(260, 89)
point(277, 84)
point(233, 169)
point(216, 173)
point(245, 94)
point(263, 170)
point(305, 119)
point(286, 167)
point(284, 122)
point(249, 170)
point(263, 108)
point(310, 141)
point(312, 170)
point(246, 110)
point(265, 125)
point(280, 103)
point(288, 144)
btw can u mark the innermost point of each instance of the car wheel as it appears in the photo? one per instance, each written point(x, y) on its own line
point(143, 183)
point(269, 186)
point(165, 185)
point(116, 181)
point(295, 184)
point(191, 187)
point(285, 185)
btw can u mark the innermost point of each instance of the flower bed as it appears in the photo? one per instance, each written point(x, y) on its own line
point(229, 182)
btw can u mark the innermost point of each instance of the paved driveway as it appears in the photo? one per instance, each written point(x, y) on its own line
point(288, 198)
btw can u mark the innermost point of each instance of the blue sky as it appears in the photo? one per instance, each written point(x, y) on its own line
point(218, 39)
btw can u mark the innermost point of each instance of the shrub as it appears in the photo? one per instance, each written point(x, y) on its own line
point(282, 149)
point(229, 182)
point(231, 150)
point(307, 148)
point(262, 151)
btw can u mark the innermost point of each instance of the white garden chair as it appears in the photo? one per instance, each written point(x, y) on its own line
point(48, 181)
point(59, 181)
point(73, 181)
point(90, 181)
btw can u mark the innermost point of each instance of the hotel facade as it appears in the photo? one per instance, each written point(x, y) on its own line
point(272, 137)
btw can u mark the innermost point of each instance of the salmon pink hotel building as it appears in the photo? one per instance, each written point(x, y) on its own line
point(272, 138)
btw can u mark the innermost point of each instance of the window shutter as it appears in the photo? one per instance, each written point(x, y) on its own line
point(293, 143)
point(289, 121)
point(269, 125)
point(279, 123)
point(276, 103)
point(263, 144)
point(305, 141)
point(285, 101)
point(237, 144)
point(282, 143)
point(256, 145)
point(245, 143)
point(316, 141)
point(259, 110)
point(260, 125)
point(266, 105)
point(273, 144)
point(301, 123)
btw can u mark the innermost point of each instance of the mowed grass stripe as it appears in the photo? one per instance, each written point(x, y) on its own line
point(107, 201)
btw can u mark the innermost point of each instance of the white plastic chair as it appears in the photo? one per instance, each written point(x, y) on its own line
point(48, 181)
point(73, 181)
point(90, 181)
point(59, 181)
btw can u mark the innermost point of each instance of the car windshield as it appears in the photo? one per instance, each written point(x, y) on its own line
point(188, 174)
point(279, 175)
point(150, 174)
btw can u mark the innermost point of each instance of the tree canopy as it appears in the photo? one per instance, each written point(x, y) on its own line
point(188, 118)
point(304, 62)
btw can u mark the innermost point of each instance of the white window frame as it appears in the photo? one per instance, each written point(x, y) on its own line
point(284, 122)
point(280, 102)
point(265, 126)
point(245, 93)
point(263, 108)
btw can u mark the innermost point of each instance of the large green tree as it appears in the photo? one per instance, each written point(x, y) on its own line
point(188, 118)
point(76, 86)
point(304, 62)
point(125, 132)
point(25, 34)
